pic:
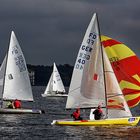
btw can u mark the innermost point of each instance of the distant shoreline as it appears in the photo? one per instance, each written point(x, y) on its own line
point(39, 74)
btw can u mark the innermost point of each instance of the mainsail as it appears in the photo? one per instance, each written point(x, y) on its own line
point(58, 84)
point(16, 81)
point(84, 70)
point(93, 80)
point(125, 65)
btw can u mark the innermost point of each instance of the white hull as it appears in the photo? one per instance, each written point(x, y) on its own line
point(20, 111)
point(54, 95)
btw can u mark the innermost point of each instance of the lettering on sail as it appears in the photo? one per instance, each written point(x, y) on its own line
point(115, 62)
point(58, 78)
point(19, 60)
point(85, 51)
point(10, 76)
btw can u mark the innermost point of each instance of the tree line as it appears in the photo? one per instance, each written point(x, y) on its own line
point(43, 73)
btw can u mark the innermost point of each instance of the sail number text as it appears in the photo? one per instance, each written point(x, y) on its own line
point(85, 50)
point(19, 60)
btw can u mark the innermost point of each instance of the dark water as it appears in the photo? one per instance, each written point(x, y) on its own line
point(38, 127)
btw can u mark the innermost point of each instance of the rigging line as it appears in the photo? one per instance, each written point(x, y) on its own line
point(103, 63)
point(114, 95)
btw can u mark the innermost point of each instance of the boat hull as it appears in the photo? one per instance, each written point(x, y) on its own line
point(130, 121)
point(20, 111)
point(55, 95)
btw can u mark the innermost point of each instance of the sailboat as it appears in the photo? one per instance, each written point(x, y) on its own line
point(94, 83)
point(55, 85)
point(14, 79)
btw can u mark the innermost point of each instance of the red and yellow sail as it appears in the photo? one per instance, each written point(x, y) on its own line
point(126, 66)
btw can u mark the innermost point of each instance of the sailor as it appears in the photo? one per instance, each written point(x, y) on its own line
point(76, 114)
point(98, 113)
point(17, 104)
point(10, 104)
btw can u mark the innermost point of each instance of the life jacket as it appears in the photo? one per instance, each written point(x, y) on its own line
point(76, 115)
point(17, 104)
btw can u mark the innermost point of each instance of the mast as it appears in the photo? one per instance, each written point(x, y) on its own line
point(53, 78)
point(103, 66)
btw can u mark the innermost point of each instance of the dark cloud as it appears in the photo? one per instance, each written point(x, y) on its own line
point(52, 30)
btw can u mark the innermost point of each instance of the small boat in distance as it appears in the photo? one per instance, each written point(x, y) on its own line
point(94, 83)
point(14, 80)
point(55, 87)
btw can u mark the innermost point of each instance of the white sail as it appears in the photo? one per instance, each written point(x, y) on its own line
point(2, 72)
point(85, 68)
point(88, 88)
point(16, 84)
point(49, 87)
point(116, 103)
point(55, 83)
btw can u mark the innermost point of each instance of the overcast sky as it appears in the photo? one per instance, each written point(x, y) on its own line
point(52, 30)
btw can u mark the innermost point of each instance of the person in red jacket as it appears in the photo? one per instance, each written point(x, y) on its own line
point(17, 104)
point(76, 114)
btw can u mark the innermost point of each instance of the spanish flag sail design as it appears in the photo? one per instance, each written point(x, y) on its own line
point(126, 66)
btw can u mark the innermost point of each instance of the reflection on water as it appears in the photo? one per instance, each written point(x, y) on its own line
point(38, 127)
